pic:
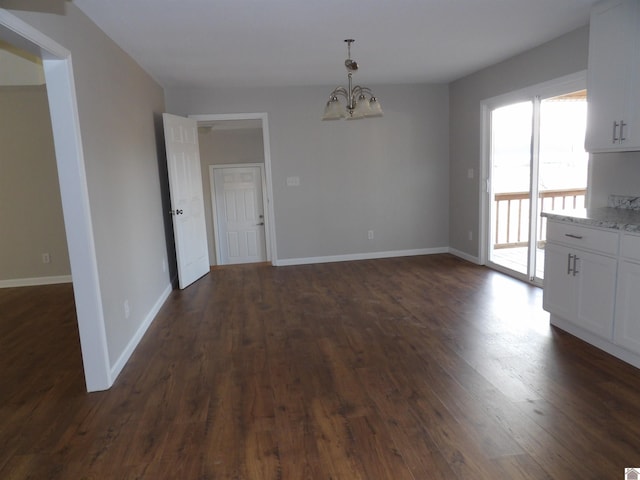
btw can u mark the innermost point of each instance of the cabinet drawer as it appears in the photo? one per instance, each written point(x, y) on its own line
point(630, 247)
point(603, 241)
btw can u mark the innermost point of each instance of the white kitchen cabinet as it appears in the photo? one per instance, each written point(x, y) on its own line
point(580, 287)
point(559, 294)
point(592, 278)
point(627, 319)
point(613, 119)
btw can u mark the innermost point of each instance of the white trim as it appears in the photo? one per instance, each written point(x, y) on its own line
point(360, 256)
point(24, 32)
point(270, 217)
point(485, 183)
point(135, 340)
point(214, 216)
point(595, 340)
point(65, 122)
point(534, 191)
point(35, 281)
point(217, 117)
point(572, 82)
point(464, 256)
point(214, 211)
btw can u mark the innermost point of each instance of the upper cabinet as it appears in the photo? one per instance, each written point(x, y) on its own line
point(613, 76)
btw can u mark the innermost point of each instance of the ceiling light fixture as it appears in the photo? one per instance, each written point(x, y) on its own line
point(361, 102)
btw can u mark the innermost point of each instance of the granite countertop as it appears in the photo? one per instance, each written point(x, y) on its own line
point(605, 217)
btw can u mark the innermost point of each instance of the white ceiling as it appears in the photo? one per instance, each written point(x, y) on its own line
point(203, 43)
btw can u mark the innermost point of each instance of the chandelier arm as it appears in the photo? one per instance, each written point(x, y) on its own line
point(357, 90)
point(340, 91)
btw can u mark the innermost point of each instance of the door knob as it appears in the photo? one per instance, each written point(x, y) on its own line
point(258, 224)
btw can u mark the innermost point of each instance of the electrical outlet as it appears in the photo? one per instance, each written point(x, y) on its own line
point(164, 265)
point(46, 258)
point(370, 234)
point(470, 234)
point(470, 173)
point(127, 311)
point(293, 181)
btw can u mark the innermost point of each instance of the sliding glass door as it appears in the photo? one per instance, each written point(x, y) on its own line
point(511, 134)
point(535, 161)
point(562, 161)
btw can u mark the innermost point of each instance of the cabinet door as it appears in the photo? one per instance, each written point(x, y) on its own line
point(613, 72)
point(595, 292)
point(559, 294)
point(585, 298)
point(627, 326)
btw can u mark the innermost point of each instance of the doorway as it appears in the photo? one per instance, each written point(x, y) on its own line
point(56, 61)
point(239, 141)
point(34, 246)
point(534, 161)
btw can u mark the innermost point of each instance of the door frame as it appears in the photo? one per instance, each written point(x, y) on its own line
point(267, 192)
point(214, 212)
point(65, 123)
point(572, 82)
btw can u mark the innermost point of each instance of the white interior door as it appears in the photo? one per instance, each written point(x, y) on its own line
point(239, 214)
point(187, 203)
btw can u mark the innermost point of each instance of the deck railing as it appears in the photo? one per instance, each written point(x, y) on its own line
point(512, 214)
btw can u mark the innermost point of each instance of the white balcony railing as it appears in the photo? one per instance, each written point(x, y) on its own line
point(512, 214)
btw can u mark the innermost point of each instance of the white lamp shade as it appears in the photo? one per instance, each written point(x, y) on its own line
point(375, 108)
point(363, 108)
point(334, 110)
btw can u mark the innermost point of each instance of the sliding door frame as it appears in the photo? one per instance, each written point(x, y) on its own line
point(535, 93)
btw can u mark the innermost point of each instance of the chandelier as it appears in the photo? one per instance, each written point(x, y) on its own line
point(360, 101)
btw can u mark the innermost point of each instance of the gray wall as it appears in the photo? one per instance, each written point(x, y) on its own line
point(388, 174)
point(563, 56)
point(118, 106)
point(613, 173)
point(218, 147)
point(30, 208)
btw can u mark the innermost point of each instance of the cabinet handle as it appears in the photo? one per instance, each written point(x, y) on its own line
point(575, 267)
point(622, 125)
point(572, 235)
point(614, 137)
point(569, 257)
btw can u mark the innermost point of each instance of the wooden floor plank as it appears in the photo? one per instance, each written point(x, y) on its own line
point(407, 368)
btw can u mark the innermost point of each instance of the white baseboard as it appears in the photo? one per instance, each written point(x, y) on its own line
point(133, 343)
point(359, 256)
point(465, 256)
point(599, 342)
point(34, 281)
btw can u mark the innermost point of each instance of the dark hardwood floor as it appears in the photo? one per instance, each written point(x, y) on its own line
point(411, 368)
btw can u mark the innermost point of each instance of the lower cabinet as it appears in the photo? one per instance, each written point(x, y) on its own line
point(627, 320)
point(580, 287)
point(592, 286)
